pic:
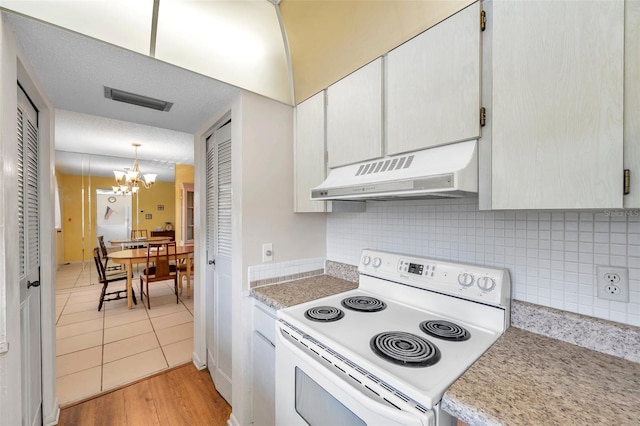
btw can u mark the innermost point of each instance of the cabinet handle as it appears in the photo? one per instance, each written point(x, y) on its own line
point(627, 182)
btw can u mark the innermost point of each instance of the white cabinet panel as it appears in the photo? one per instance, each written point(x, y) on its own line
point(264, 365)
point(309, 152)
point(557, 104)
point(433, 85)
point(632, 100)
point(264, 384)
point(354, 116)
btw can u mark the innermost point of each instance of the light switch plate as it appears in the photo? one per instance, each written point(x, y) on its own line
point(267, 252)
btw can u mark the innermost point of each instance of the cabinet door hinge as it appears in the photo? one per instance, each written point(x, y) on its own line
point(627, 182)
point(483, 20)
point(483, 117)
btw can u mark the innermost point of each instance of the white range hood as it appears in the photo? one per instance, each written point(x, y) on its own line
point(444, 171)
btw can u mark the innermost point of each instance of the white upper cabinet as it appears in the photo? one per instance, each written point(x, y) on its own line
point(632, 100)
point(354, 116)
point(433, 85)
point(556, 119)
point(309, 152)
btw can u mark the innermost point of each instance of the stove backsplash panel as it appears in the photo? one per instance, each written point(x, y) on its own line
point(551, 255)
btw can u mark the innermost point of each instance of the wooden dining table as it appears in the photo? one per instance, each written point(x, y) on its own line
point(132, 257)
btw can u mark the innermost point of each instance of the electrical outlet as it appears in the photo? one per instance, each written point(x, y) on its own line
point(612, 283)
point(267, 252)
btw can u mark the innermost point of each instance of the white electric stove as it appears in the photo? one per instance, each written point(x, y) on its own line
point(386, 352)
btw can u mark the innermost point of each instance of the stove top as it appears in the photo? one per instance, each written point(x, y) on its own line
point(415, 332)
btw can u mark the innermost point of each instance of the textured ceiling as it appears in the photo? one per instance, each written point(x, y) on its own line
point(73, 69)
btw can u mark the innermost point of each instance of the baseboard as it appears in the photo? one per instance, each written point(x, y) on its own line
point(197, 362)
point(232, 420)
point(53, 420)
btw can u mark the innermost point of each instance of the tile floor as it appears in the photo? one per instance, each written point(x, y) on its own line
point(98, 351)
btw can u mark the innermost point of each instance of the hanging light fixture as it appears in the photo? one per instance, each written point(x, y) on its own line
point(130, 180)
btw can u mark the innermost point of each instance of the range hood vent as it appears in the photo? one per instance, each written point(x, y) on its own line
point(135, 99)
point(444, 171)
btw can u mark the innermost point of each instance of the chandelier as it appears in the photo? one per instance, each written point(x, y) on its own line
point(130, 180)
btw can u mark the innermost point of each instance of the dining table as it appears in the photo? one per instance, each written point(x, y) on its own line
point(137, 256)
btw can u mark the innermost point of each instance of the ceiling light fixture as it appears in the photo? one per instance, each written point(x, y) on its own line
point(130, 180)
point(135, 99)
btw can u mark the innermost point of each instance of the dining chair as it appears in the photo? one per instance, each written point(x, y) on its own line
point(182, 273)
point(160, 266)
point(105, 256)
point(106, 279)
point(139, 233)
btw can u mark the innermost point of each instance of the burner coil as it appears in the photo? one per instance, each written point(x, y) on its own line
point(324, 313)
point(445, 330)
point(405, 349)
point(363, 304)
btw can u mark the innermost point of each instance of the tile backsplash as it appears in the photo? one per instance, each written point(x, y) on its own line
point(551, 255)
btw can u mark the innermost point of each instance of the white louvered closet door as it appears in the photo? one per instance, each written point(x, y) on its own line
point(219, 253)
point(29, 254)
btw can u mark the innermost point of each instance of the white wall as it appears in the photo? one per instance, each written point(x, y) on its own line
point(267, 188)
point(262, 163)
point(13, 67)
point(551, 255)
point(10, 400)
point(262, 138)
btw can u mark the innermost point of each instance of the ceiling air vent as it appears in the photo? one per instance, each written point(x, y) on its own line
point(134, 99)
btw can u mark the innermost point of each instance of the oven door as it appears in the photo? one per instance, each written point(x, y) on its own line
point(309, 393)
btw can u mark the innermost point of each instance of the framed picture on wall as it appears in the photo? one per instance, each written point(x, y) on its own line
point(160, 207)
point(148, 216)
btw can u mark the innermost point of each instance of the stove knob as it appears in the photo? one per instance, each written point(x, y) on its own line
point(377, 262)
point(465, 279)
point(366, 260)
point(486, 283)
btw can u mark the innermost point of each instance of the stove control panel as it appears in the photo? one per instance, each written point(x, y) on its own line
point(483, 284)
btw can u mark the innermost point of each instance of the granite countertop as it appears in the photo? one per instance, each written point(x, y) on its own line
point(299, 291)
point(529, 379)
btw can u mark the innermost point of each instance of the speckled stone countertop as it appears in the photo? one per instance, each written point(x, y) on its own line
point(530, 379)
point(299, 291)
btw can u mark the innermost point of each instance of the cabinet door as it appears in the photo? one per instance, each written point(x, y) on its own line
point(354, 116)
point(632, 100)
point(433, 85)
point(557, 104)
point(309, 153)
point(264, 385)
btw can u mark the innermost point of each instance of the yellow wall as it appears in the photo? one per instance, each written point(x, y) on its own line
point(72, 199)
point(184, 174)
point(59, 232)
point(330, 39)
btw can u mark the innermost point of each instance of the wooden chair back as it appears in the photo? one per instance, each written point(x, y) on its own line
point(102, 275)
point(105, 279)
point(139, 233)
point(161, 261)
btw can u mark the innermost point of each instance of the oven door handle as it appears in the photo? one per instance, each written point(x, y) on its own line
point(397, 415)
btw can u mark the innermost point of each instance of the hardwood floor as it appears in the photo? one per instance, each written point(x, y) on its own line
point(182, 396)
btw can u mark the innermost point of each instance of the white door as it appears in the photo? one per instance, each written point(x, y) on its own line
point(218, 281)
point(29, 252)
